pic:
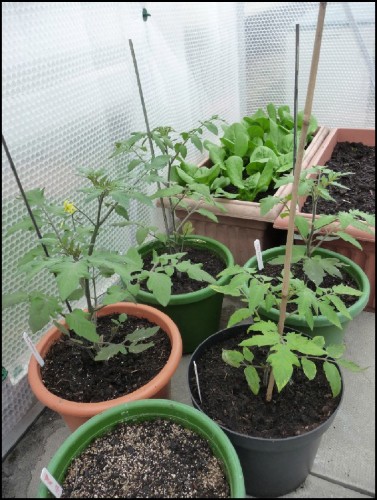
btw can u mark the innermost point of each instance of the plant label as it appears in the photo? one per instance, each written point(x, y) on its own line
point(258, 254)
point(197, 380)
point(33, 349)
point(51, 483)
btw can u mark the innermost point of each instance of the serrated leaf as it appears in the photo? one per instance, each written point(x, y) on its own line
point(238, 316)
point(232, 358)
point(309, 368)
point(339, 304)
point(304, 345)
point(208, 214)
point(11, 299)
point(346, 290)
point(168, 192)
point(266, 204)
point(160, 161)
point(349, 238)
point(35, 197)
point(117, 294)
point(329, 313)
point(109, 351)
point(270, 338)
point(137, 348)
point(211, 127)
point(142, 334)
point(76, 295)
point(133, 164)
point(122, 317)
point(78, 321)
point(226, 289)
point(257, 292)
point(333, 377)
point(68, 276)
point(121, 211)
point(160, 286)
point(253, 379)
point(314, 270)
point(282, 361)
point(197, 142)
point(324, 220)
point(335, 350)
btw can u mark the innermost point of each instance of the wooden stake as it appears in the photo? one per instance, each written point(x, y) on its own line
point(300, 155)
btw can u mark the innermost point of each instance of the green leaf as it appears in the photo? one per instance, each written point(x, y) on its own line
point(349, 238)
point(324, 220)
point(238, 315)
point(305, 345)
point(133, 164)
point(122, 212)
point(160, 161)
point(35, 197)
point(160, 286)
point(333, 378)
point(270, 338)
point(168, 192)
point(207, 213)
point(142, 334)
point(42, 307)
point(232, 358)
point(314, 270)
point(122, 317)
point(346, 290)
point(211, 127)
point(247, 354)
point(266, 204)
point(68, 276)
point(350, 365)
point(257, 292)
point(336, 350)
point(234, 169)
point(61, 327)
point(309, 368)
point(329, 313)
point(141, 234)
point(339, 304)
point(11, 299)
point(197, 142)
point(302, 225)
point(78, 321)
point(252, 378)
point(116, 294)
point(137, 348)
point(282, 361)
point(109, 351)
point(76, 295)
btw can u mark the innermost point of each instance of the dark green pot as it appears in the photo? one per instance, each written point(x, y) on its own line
point(322, 326)
point(197, 314)
point(139, 411)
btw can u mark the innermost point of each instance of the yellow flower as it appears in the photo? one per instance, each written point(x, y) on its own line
point(69, 207)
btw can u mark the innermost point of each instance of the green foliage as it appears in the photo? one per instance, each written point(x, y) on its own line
point(286, 353)
point(252, 156)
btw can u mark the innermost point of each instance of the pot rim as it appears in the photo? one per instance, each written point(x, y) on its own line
point(240, 435)
point(87, 410)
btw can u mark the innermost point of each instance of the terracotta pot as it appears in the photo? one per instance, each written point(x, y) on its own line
point(75, 414)
point(364, 258)
point(242, 222)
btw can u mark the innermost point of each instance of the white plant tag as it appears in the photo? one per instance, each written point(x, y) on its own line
point(51, 483)
point(258, 254)
point(33, 349)
point(197, 381)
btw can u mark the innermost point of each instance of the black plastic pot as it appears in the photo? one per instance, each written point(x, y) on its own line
point(271, 467)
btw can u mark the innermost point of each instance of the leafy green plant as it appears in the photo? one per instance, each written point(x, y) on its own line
point(76, 259)
point(284, 353)
point(307, 297)
point(168, 169)
point(252, 156)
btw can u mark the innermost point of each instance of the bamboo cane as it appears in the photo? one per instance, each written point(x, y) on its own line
point(297, 171)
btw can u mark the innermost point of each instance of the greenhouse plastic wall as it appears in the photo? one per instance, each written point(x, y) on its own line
point(70, 92)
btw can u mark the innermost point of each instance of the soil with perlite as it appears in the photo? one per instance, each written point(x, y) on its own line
point(226, 398)
point(151, 459)
point(360, 161)
point(71, 373)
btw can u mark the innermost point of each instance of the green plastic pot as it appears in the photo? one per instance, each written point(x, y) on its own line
point(197, 314)
point(322, 326)
point(140, 411)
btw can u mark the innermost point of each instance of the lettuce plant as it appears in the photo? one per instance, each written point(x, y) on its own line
point(252, 156)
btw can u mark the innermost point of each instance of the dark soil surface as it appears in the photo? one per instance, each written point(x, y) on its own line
point(182, 283)
point(328, 281)
point(153, 459)
point(359, 159)
point(301, 406)
point(71, 373)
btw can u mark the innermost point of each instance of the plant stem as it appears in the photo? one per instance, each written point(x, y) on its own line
point(300, 155)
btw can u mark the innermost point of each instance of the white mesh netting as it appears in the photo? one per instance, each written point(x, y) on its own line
point(70, 92)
